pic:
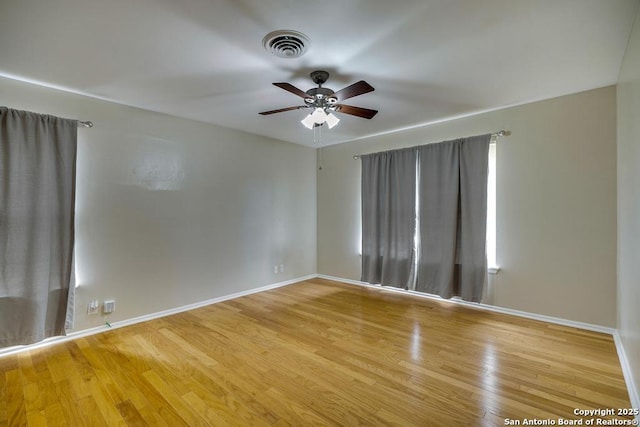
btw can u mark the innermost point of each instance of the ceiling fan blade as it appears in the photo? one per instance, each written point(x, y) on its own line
point(291, 88)
point(365, 113)
point(355, 89)
point(280, 110)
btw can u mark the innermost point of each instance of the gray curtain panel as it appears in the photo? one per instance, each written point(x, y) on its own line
point(452, 206)
point(439, 181)
point(37, 198)
point(388, 216)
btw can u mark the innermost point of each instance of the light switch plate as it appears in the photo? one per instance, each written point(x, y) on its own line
point(109, 306)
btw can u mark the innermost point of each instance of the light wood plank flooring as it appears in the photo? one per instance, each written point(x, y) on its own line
point(316, 353)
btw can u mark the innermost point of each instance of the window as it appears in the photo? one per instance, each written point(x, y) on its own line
point(438, 193)
point(492, 261)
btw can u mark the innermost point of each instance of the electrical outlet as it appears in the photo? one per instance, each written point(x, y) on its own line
point(281, 269)
point(93, 307)
point(109, 306)
point(275, 269)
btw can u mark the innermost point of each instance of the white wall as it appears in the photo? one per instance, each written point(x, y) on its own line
point(556, 208)
point(172, 212)
point(629, 203)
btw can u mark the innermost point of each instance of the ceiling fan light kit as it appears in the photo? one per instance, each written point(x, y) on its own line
point(318, 117)
point(325, 101)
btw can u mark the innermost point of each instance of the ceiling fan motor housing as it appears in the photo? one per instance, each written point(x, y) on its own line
point(321, 97)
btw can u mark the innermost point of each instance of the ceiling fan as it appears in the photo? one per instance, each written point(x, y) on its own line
point(325, 101)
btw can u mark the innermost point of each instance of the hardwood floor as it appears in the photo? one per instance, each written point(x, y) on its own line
point(317, 353)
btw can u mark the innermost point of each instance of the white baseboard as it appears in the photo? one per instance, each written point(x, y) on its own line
point(626, 371)
point(119, 324)
point(624, 362)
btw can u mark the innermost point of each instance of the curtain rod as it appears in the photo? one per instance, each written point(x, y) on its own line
point(493, 135)
point(81, 123)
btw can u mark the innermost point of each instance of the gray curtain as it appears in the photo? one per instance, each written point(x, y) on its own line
point(452, 210)
point(388, 216)
point(37, 197)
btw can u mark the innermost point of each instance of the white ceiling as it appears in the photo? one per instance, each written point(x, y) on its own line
point(428, 60)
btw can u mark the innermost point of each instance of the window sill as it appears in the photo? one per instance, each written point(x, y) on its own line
point(493, 270)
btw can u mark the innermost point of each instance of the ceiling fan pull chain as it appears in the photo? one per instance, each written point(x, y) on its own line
point(317, 134)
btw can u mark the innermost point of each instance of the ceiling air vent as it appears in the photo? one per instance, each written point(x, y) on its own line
point(286, 43)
